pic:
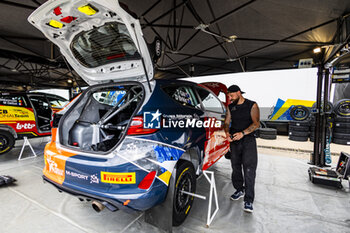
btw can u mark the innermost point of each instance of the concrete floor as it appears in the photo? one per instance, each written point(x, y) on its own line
point(285, 202)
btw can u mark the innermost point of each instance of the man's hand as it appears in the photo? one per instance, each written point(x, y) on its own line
point(237, 136)
point(228, 137)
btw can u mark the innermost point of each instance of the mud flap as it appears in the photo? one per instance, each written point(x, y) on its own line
point(161, 216)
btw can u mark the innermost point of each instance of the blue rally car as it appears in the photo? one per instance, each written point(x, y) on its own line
point(119, 142)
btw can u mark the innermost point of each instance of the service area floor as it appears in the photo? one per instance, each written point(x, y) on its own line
point(285, 200)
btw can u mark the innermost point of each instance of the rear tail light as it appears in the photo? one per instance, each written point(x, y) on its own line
point(148, 180)
point(136, 127)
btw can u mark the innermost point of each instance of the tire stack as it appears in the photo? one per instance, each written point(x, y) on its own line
point(268, 133)
point(341, 133)
point(299, 131)
point(299, 128)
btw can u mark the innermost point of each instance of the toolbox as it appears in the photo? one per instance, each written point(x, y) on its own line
point(332, 177)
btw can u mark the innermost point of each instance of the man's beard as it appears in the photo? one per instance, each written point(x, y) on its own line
point(234, 102)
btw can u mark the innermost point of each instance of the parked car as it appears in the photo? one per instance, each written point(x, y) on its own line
point(120, 141)
point(26, 115)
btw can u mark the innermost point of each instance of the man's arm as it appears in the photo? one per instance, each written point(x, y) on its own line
point(255, 115)
point(227, 124)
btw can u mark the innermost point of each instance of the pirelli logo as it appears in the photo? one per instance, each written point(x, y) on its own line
point(118, 178)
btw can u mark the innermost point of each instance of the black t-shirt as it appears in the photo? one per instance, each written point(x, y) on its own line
point(241, 116)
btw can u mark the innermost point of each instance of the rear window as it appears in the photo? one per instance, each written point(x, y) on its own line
point(110, 98)
point(12, 100)
point(105, 44)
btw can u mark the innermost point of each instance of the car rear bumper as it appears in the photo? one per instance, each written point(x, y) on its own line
point(127, 202)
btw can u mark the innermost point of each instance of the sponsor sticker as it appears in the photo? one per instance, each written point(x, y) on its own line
point(12, 113)
point(77, 175)
point(25, 126)
point(118, 178)
point(53, 168)
point(94, 179)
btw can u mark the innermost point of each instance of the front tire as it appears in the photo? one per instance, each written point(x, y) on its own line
point(185, 181)
point(7, 141)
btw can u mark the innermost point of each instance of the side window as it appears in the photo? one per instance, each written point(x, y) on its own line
point(222, 97)
point(210, 101)
point(12, 100)
point(56, 102)
point(40, 103)
point(184, 95)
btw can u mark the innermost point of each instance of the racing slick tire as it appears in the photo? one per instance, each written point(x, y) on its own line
point(342, 108)
point(342, 119)
point(299, 128)
point(268, 133)
point(341, 141)
point(7, 141)
point(298, 138)
point(299, 123)
point(186, 181)
point(299, 113)
point(299, 133)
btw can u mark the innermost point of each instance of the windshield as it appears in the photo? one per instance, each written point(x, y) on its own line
point(105, 44)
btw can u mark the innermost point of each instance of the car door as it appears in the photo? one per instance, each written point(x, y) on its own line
point(99, 39)
point(42, 111)
point(216, 144)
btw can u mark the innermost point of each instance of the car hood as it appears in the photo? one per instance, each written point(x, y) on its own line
point(99, 39)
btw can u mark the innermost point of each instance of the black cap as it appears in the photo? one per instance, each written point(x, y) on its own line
point(234, 88)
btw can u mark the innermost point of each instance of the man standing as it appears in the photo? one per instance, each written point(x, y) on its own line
point(243, 114)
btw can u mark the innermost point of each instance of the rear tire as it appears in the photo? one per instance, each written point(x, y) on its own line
point(7, 141)
point(186, 181)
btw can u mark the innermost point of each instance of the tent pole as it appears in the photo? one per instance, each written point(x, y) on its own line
point(315, 160)
point(324, 118)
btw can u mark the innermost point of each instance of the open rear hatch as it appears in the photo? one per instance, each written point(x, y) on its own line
point(99, 39)
point(103, 43)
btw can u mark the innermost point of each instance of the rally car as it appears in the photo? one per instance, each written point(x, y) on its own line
point(26, 115)
point(120, 141)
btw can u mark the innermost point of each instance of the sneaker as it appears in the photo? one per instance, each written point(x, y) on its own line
point(248, 207)
point(237, 195)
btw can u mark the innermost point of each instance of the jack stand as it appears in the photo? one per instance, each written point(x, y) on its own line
point(212, 191)
point(26, 143)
